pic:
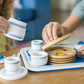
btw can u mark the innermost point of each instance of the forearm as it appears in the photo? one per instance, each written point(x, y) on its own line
point(71, 24)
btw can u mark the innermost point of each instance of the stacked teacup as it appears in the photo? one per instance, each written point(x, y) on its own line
point(38, 56)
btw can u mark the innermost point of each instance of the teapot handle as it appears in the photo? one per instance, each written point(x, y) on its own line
point(27, 30)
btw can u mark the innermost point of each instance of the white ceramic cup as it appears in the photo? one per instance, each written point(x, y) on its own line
point(16, 30)
point(76, 47)
point(12, 65)
point(36, 45)
point(39, 58)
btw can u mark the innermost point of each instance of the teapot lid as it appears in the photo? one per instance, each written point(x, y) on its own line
point(56, 41)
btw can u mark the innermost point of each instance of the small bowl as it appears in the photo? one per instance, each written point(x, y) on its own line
point(39, 58)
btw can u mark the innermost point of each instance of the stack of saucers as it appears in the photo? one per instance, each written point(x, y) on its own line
point(61, 55)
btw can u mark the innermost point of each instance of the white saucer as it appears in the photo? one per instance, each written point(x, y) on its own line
point(22, 73)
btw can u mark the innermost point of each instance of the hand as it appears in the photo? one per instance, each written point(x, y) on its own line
point(3, 25)
point(51, 31)
point(81, 51)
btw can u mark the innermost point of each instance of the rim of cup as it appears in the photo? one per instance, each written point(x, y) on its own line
point(17, 21)
point(37, 41)
point(12, 59)
point(39, 54)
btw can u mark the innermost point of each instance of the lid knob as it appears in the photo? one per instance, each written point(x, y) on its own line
point(19, 18)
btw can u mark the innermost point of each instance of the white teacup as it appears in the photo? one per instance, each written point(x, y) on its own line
point(16, 30)
point(39, 58)
point(12, 65)
point(36, 45)
point(76, 47)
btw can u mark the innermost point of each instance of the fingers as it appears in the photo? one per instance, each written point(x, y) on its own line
point(2, 30)
point(5, 21)
point(81, 48)
point(49, 31)
point(55, 30)
point(3, 25)
point(45, 35)
point(81, 51)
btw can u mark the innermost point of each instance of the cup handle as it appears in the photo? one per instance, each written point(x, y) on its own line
point(18, 55)
point(27, 30)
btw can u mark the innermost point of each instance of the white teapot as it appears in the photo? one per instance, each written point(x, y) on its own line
point(16, 30)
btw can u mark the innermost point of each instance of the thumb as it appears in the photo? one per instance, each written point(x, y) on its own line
point(80, 53)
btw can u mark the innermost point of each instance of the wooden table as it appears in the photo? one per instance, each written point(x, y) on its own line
point(56, 77)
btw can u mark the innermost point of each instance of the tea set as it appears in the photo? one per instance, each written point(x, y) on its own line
point(16, 30)
point(38, 53)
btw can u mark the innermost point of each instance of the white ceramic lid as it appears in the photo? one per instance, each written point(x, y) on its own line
point(54, 42)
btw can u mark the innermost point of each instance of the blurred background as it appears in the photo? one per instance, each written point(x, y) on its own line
point(38, 13)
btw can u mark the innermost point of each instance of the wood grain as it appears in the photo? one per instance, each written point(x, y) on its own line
point(75, 76)
point(54, 42)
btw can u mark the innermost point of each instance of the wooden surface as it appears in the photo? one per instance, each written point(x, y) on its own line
point(56, 77)
point(54, 42)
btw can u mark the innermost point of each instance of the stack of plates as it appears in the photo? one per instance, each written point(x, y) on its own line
point(60, 58)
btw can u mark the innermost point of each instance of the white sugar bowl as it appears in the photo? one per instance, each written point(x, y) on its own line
point(39, 58)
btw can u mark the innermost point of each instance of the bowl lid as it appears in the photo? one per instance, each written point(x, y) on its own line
point(56, 41)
